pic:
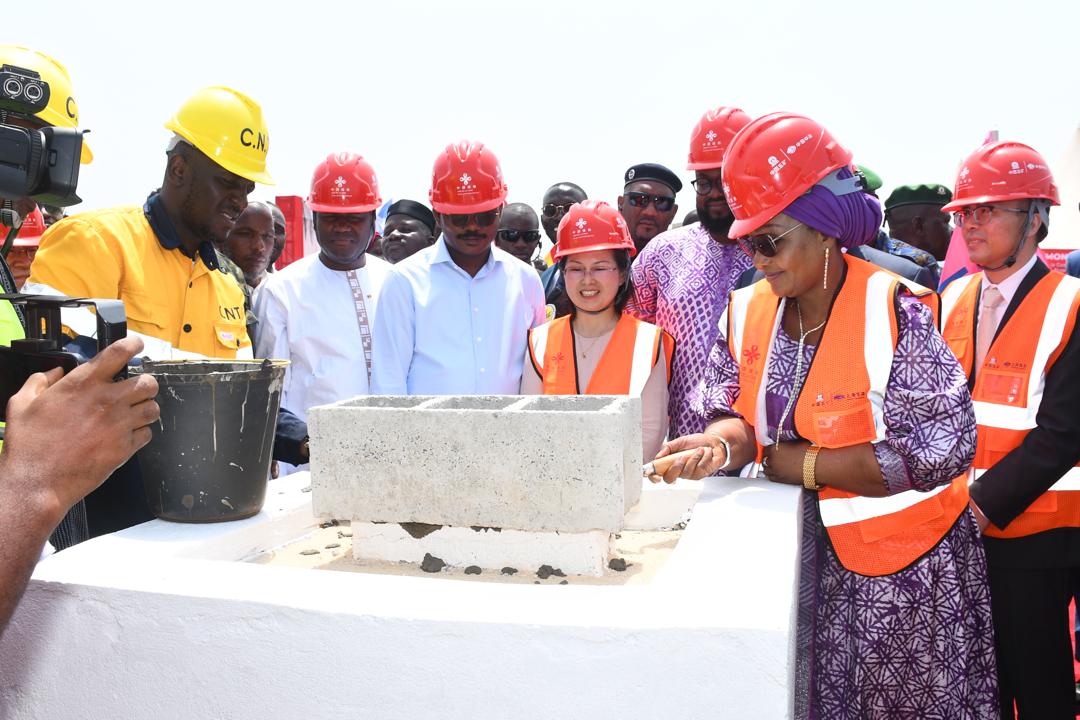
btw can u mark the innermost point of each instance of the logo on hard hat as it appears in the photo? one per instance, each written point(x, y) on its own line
point(791, 149)
point(581, 224)
point(465, 179)
point(249, 138)
point(1017, 168)
point(711, 135)
point(773, 161)
point(341, 188)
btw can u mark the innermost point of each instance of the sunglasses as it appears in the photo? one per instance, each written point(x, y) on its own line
point(980, 215)
point(663, 203)
point(552, 210)
point(512, 236)
point(484, 219)
point(763, 243)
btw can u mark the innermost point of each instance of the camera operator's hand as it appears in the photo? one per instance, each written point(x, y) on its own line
point(65, 435)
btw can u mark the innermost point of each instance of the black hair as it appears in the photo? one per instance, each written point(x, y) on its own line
point(622, 260)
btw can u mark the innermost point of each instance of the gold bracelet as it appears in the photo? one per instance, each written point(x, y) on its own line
point(809, 468)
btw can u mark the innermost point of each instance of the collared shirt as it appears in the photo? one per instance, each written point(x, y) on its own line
point(681, 282)
point(168, 296)
point(440, 331)
point(307, 316)
point(1009, 285)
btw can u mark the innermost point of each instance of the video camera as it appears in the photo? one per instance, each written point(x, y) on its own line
point(43, 348)
point(40, 163)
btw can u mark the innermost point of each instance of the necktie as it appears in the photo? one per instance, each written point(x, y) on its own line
point(988, 322)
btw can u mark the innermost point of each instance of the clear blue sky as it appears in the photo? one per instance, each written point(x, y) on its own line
point(561, 90)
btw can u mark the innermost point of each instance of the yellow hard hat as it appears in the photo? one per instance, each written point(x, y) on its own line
point(61, 110)
point(227, 126)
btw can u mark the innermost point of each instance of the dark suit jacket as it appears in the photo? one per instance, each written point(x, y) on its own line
point(1047, 452)
point(893, 263)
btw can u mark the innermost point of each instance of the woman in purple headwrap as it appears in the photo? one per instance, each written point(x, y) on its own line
point(832, 376)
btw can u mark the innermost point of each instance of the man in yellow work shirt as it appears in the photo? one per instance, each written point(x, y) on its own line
point(160, 258)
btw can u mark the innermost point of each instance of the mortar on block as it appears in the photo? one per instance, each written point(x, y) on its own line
point(501, 479)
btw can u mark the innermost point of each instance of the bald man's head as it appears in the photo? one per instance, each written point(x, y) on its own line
point(557, 200)
point(519, 231)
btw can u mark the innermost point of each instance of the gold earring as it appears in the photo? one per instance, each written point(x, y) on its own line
point(825, 278)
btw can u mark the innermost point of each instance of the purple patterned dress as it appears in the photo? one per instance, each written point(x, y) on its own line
point(681, 283)
point(919, 643)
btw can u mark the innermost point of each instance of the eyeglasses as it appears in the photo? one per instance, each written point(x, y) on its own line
point(663, 203)
point(483, 219)
point(552, 210)
point(580, 273)
point(763, 243)
point(704, 186)
point(980, 214)
point(512, 236)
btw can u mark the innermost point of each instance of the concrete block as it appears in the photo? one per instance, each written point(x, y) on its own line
point(564, 463)
point(574, 553)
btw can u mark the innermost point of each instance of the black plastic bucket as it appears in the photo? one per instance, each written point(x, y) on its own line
point(209, 458)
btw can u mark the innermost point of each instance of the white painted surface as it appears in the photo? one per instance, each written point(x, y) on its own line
point(576, 553)
point(155, 622)
point(567, 463)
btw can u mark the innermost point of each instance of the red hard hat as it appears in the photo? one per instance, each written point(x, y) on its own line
point(1003, 171)
point(592, 225)
point(344, 183)
point(30, 232)
point(466, 179)
point(712, 135)
point(771, 162)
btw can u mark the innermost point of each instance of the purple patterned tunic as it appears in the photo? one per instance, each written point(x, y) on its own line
point(681, 283)
point(919, 643)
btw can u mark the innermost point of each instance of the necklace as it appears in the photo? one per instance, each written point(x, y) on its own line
point(586, 350)
point(798, 370)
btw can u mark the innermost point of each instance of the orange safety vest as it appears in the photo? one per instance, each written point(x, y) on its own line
point(624, 368)
point(1009, 385)
point(841, 404)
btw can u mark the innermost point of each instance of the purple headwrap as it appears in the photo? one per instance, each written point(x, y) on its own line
point(839, 209)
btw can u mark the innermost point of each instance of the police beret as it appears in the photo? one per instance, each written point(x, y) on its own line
point(413, 209)
point(652, 171)
point(931, 194)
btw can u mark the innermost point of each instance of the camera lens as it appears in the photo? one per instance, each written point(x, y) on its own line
point(12, 87)
point(33, 92)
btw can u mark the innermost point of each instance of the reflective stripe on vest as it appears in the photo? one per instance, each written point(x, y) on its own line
point(840, 405)
point(623, 369)
point(1010, 383)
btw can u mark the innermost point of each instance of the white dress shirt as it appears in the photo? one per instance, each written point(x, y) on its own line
point(307, 316)
point(1007, 288)
point(440, 331)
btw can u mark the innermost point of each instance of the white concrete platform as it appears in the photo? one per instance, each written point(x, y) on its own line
point(164, 621)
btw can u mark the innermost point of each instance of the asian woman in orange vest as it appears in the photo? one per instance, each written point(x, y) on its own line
point(833, 377)
point(597, 349)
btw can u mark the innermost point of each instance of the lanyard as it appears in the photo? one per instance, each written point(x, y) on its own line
point(361, 317)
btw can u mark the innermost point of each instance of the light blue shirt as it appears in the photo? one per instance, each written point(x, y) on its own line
point(441, 332)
